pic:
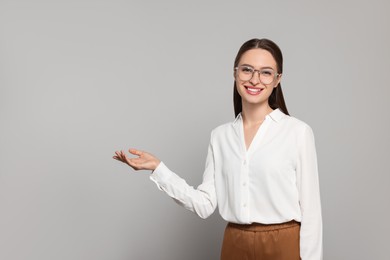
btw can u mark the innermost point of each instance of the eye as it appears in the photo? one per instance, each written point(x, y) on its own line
point(247, 70)
point(267, 73)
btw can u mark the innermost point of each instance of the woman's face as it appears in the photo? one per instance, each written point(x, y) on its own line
point(252, 90)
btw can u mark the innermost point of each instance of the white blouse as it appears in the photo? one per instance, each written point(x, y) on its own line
point(275, 180)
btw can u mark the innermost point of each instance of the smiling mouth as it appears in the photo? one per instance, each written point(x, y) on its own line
point(253, 91)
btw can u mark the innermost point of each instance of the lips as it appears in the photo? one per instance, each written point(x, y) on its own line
point(253, 91)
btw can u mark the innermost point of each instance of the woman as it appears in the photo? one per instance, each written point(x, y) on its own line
point(261, 169)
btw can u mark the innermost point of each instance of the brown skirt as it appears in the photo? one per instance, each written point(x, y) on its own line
point(260, 241)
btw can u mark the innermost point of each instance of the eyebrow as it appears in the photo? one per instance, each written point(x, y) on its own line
point(267, 67)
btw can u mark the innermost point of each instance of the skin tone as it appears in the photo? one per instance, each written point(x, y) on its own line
point(144, 161)
point(254, 107)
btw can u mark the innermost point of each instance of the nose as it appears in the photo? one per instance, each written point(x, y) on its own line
point(255, 78)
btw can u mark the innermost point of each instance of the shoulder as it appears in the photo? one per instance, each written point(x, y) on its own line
point(293, 126)
point(227, 130)
point(287, 122)
point(297, 123)
point(301, 128)
point(222, 129)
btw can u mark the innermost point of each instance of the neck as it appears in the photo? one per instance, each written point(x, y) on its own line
point(254, 114)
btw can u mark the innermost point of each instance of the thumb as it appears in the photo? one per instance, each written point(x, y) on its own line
point(135, 152)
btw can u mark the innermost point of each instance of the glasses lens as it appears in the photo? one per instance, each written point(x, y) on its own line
point(267, 76)
point(245, 73)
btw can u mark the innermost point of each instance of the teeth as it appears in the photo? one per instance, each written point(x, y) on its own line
point(254, 89)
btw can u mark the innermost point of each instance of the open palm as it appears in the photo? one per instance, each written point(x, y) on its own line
point(144, 161)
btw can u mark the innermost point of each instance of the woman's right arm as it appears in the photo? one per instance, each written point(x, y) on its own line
point(201, 200)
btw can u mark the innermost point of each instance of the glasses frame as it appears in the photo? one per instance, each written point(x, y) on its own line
point(258, 73)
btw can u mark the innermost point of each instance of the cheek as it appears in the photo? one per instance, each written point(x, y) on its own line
point(238, 87)
point(238, 83)
point(270, 92)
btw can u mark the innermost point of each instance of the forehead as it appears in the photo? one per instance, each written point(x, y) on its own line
point(258, 58)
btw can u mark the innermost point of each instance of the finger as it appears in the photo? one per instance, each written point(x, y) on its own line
point(123, 156)
point(116, 158)
point(128, 160)
point(136, 152)
point(119, 160)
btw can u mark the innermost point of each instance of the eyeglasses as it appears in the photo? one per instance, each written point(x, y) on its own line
point(266, 75)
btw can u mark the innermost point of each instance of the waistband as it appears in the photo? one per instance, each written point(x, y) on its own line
point(258, 227)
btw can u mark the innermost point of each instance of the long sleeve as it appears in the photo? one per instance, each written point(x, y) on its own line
point(201, 200)
point(309, 198)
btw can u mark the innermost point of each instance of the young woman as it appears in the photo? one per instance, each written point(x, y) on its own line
point(261, 169)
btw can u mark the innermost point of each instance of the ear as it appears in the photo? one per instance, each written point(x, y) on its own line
point(278, 80)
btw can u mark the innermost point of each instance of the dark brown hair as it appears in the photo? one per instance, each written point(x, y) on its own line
point(276, 99)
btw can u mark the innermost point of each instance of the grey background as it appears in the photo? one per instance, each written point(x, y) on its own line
point(81, 79)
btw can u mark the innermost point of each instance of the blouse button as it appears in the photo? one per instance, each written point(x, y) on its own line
point(244, 184)
point(244, 162)
point(244, 205)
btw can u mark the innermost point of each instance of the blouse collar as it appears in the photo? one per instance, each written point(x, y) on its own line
point(276, 115)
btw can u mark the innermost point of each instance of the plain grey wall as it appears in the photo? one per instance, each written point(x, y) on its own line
point(81, 79)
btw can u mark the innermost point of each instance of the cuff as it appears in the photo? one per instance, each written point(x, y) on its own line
point(160, 175)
